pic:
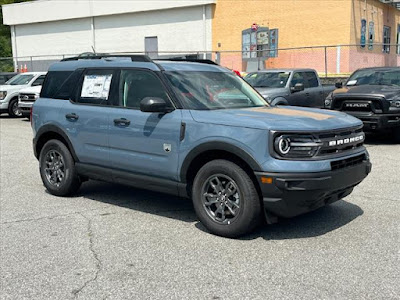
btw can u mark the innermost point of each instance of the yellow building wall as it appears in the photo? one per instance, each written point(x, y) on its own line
point(373, 10)
point(300, 22)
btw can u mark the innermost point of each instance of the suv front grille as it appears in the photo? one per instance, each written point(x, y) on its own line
point(340, 141)
point(27, 97)
point(348, 162)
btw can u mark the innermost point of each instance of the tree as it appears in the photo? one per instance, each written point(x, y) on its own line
point(5, 40)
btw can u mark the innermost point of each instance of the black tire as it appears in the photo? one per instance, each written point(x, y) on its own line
point(12, 111)
point(64, 185)
point(247, 213)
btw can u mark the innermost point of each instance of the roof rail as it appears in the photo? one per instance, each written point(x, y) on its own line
point(197, 60)
point(139, 58)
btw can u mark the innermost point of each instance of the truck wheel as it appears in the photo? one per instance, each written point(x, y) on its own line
point(13, 109)
point(225, 199)
point(57, 169)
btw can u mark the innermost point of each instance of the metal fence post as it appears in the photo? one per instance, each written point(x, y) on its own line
point(326, 63)
point(32, 64)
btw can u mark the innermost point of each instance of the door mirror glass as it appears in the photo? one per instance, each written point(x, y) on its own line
point(155, 105)
point(298, 87)
point(338, 85)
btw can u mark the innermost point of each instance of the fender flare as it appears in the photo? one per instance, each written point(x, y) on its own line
point(279, 101)
point(53, 128)
point(207, 146)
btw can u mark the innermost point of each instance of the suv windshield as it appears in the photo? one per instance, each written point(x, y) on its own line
point(268, 79)
point(213, 90)
point(21, 79)
point(375, 77)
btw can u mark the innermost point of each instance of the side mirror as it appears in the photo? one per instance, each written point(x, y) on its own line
point(338, 85)
point(298, 87)
point(155, 105)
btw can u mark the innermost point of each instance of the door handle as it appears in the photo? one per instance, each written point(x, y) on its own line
point(122, 121)
point(72, 117)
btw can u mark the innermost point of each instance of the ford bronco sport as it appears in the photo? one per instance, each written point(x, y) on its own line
point(192, 129)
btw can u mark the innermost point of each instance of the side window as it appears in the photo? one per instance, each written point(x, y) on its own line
point(95, 87)
point(54, 80)
point(39, 80)
point(135, 85)
point(298, 78)
point(68, 89)
point(312, 79)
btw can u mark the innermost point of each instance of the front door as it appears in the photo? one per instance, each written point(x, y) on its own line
point(143, 143)
point(300, 98)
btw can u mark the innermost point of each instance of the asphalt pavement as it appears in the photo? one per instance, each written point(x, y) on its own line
point(116, 242)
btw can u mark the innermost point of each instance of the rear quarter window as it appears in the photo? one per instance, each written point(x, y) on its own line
point(54, 82)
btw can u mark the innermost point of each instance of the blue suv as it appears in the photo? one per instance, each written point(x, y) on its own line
point(192, 129)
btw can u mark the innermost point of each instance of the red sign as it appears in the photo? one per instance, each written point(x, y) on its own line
point(254, 27)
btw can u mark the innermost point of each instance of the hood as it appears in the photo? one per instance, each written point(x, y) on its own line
point(32, 90)
point(11, 88)
point(387, 91)
point(278, 118)
point(271, 92)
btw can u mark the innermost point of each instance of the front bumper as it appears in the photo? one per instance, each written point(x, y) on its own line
point(376, 122)
point(292, 194)
point(25, 107)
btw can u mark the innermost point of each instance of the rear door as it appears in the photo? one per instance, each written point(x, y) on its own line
point(86, 116)
point(140, 142)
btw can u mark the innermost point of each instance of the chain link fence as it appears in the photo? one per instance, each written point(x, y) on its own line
point(329, 61)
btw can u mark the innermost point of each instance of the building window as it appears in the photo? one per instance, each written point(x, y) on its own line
point(398, 39)
point(371, 35)
point(386, 39)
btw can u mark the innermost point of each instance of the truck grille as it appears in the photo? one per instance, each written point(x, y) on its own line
point(340, 141)
point(348, 162)
point(357, 104)
point(27, 97)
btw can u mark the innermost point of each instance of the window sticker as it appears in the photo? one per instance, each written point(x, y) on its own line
point(96, 86)
point(352, 82)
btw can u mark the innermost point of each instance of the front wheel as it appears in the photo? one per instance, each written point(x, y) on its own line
point(57, 169)
point(225, 199)
point(13, 109)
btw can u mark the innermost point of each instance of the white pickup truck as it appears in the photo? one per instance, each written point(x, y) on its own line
point(10, 90)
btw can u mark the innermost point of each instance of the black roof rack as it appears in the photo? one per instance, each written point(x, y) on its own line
point(139, 58)
point(197, 60)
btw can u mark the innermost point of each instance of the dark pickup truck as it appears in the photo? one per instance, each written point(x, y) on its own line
point(298, 87)
point(373, 96)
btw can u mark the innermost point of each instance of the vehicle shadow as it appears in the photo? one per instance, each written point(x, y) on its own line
point(313, 224)
point(379, 139)
point(139, 200)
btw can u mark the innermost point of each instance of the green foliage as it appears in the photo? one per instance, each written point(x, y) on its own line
point(5, 40)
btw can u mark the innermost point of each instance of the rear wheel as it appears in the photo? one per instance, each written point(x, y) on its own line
point(57, 169)
point(225, 199)
point(13, 109)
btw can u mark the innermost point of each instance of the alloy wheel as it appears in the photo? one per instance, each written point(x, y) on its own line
point(221, 198)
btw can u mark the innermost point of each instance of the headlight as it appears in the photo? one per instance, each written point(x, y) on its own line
point(328, 101)
point(395, 103)
point(266, 97)
point(3, 95)
point(296, 146)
